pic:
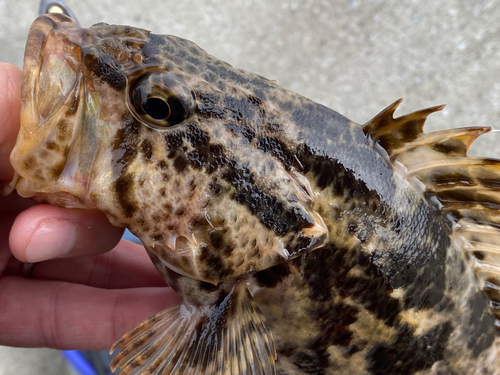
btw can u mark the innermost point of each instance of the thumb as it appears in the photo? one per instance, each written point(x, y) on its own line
point(10, 110)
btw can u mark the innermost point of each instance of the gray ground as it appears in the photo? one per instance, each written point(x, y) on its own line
point(354, 56)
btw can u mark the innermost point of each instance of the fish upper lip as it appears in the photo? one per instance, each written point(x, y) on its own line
point(36, 53)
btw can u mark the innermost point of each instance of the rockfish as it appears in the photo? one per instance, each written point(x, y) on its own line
point(299, 241)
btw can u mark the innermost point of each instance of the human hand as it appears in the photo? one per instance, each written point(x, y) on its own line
point(80, 295)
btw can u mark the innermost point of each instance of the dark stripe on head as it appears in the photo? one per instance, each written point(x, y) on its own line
point(125, 144)
point(274, 214)
point(329, 173)
point(205, 154)
point(124, 150)
point(173, 141)
point(278, 149)
point(105, 67)
point(124, 194)
point(225, 72)
point(196, 136)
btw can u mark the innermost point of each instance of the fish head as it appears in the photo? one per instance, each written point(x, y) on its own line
point(167, 141)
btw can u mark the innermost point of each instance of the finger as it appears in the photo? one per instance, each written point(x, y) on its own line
point(68, 316)
point(44, 232)
point(10, 207)
point(10, 109)
point(126, 266)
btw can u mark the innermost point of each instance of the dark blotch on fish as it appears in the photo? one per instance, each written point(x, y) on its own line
point(480, 324)
point(241, 131)
point(333, 175)
point(278, 149)
point(147, 149)
point(271, 212)
point(208, 105)
point(271, 277)
point(370, 289)
point(125, 143)
point(214, 264)
point(106, 68)
point(123, 188)
point(408, 353)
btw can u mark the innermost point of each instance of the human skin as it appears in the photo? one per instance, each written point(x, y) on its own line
point(86, 287)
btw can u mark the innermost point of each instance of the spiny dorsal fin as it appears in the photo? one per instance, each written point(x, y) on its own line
point(392, 133)
point(452, 142)
point(466, 189)
point(230, 337)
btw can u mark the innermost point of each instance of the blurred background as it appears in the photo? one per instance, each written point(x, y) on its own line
point(355, 56)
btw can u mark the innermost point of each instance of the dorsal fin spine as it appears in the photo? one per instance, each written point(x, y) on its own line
point(392, 133)
point(466, 190)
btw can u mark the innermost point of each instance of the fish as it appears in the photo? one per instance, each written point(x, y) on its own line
point(299, 241)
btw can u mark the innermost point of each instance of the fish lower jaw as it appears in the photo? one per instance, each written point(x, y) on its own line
point(47, 195)
point(61, 199)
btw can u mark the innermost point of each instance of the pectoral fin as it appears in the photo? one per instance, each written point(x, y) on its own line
point(230, 337)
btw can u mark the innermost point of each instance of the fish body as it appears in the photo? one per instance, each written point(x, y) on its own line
point(299, 241)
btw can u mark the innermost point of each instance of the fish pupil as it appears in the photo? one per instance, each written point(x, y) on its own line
point(157, 108)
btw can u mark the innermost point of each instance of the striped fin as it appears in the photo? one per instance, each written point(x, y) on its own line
point(393, 133)
point(466, 189)
point(485, 249)
point(230, 337)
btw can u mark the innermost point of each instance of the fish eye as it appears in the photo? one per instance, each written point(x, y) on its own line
point(157, 108)
point(160, 100)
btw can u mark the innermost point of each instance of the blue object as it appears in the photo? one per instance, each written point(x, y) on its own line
point(79, 362)
point(129, 236)
point(89, 362)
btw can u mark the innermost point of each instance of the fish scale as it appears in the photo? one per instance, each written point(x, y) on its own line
point(299, 241)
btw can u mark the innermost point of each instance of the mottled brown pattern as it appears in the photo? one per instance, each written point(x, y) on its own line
point(300, 242)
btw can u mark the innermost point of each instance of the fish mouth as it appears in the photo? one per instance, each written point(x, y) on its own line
point(50, 111)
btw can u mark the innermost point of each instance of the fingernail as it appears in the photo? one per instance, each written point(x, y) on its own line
point(53, 239)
